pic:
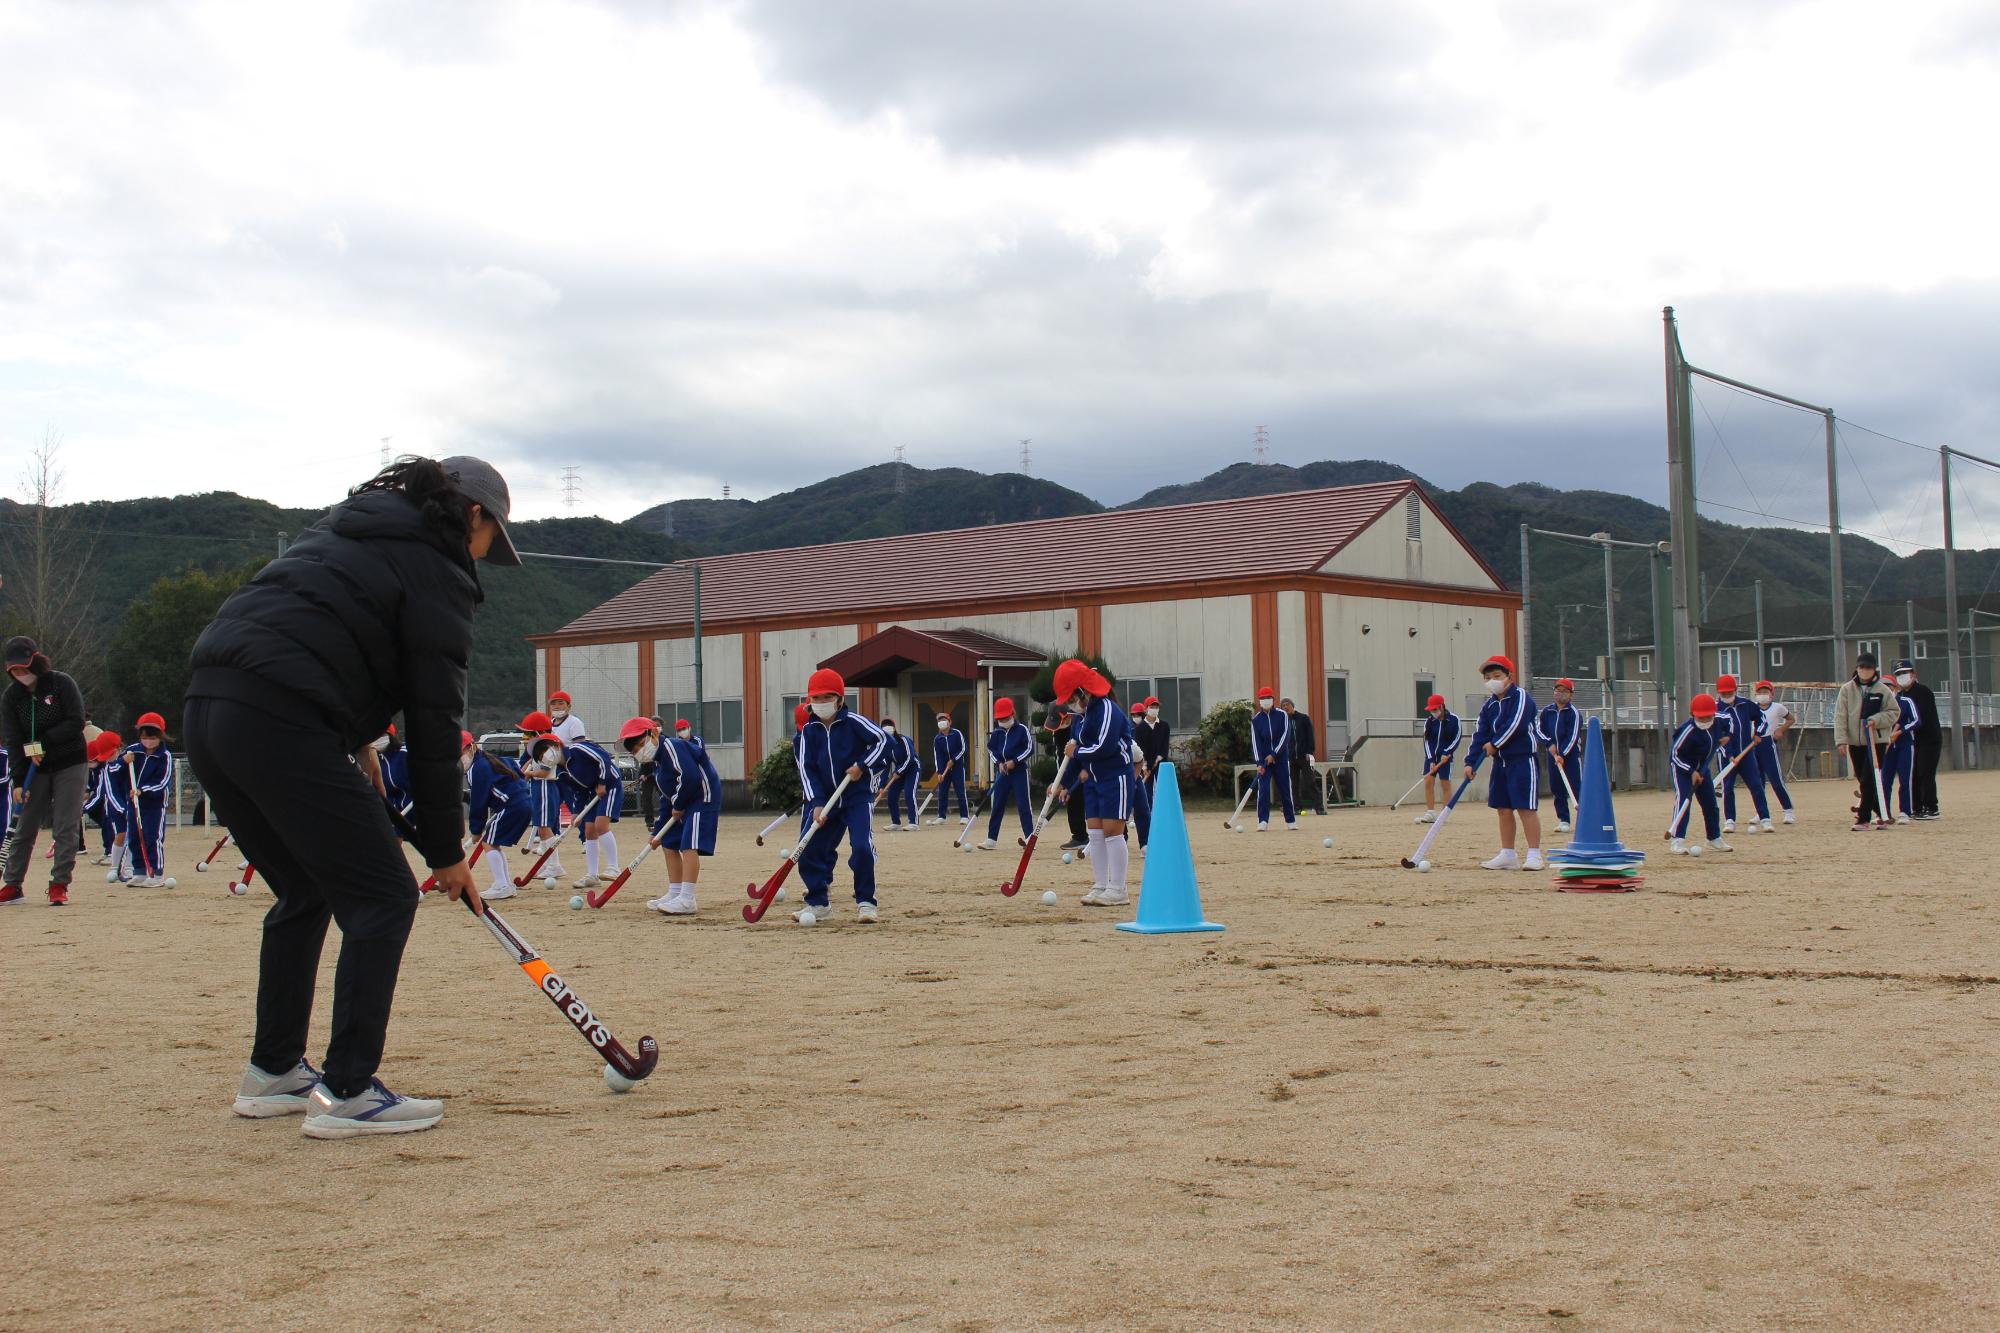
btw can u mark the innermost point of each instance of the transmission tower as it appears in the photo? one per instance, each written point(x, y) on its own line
point(902, 469)
point(1258, 451)
point(572, 487)
point(1027, 459)
point(385, 449)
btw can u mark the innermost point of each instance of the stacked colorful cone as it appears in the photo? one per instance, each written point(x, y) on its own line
point(1595, 861)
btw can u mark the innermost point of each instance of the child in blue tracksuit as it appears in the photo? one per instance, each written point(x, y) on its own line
point(1770, 760)
point(1142, 781)
point(1742, 727)
point(589, 775)
point(1442, 731)
point(1505, 738)
point(1098, 763)
point(904, 772)
point(1010, 746)
point(835, 743)
point(1899, 760)
point(542, 766)
point(1271, 751)
point(948, 762)
point(147, 765)
point(110, 819)
point(498, 812)
point(690, 803)
point(1559, 729)
point(1695, 745)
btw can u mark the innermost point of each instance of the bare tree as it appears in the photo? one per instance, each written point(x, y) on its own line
point(46, 558)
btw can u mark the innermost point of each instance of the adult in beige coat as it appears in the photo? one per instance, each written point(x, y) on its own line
point(1863, 717)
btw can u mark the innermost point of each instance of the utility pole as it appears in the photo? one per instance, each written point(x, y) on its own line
point(1610, 658)
point(1681, 505)
point(1951, 618)
point(1757, 591)
point(1839, 589)
point(1527, 621)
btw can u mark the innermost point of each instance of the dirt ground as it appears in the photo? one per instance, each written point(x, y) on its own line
point(1761, 1091)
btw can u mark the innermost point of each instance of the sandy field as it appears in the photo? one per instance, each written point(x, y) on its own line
point(1762, 1091)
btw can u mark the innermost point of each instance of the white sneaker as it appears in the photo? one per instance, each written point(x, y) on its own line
point(111, 876)
point(100, 860)
point(1427, 817)
point(866, 913)
point(988, 845)
point(1765, 824)
point(1263, 826)
point(150, 882)
point(1902, 818)
point(1114, 897)
point(1791, 818)
point(1292, 826)
point(1095, 896)
point(260, 1095)
point(1534, 861)
point(681, 904)
point(554, 870)
point(504, 889)
point(1506, 860)
point(1718, 845)
point(589, 882)
point(1562, 826)
point(819, 913)
point(1729, 826)
point(659, 904)
point(375, 1111)
point(1678, 847)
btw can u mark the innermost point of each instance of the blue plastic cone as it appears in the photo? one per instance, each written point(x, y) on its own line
point(1169, 901)
point(1596, 822)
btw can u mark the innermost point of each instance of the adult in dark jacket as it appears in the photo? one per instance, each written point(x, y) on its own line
point(367, 615)
point(1929, 738)
point(41, 724)
point(1305, 753)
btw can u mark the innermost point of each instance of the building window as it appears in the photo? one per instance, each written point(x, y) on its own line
point(1426, 687)
point(721, 721)
point(1870, 646)
point(1923, 650)
point(1729, 661)
point(1645, 664)
point(1336, 700)
point(1777, 657)
point(1179, 696)
point(1413, 517)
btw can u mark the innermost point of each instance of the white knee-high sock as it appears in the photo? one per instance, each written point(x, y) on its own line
point(607, 852)
point(496, 861)
point(1095, 850)
point(590, 857)
point(1117, 855)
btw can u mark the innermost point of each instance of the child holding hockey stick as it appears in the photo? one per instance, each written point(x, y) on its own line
point(905, 769)
point(1694, 746)
point(1010, 746)
point(589, 774)
point(1506, 735)
point(1442, 731)
point(145, 775)
point(1142, 795)
point(97, 803)
point(948, 762)
point(837, 743)
point(497, 812)
point(1271, 749)
point(1771, 749)
point(1741, 723)
point(563, 723)
point(1899, 757)
point(545, 791)
point(689, 788)
point(1560, 731)
point(1099, 758)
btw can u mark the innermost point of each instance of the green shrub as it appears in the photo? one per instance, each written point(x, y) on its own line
point(775, 780)
point(1219, 744)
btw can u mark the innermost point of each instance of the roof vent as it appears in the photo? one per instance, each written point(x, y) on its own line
point(1413, 517)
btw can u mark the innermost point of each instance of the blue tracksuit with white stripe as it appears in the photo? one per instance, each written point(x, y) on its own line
point(1010, 745)
point(146, 836)
point(824, 751)
point(1507, 723)
point(586, 767)
point(96, 804)
point(1441, 737)
point(1900, 759)
point(948, 761)
point(689, 787)
point(1692, 751)
point(1101, 768)
point(1271, 750)
point(498, 810)
point(1742, 725)
point(396, 780)
point(1560, 730)
point(904, 773)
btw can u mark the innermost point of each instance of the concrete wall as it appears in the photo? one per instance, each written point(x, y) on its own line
point(1383, 550)
point(1207, 637)
point(790, 656)
point(721, 678)
point(1383, 664)
point(603, 684)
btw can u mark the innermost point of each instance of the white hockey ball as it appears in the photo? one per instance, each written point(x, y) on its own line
point(1068, 857)
point(966, 848)
point(1423, 865)
point(201, 867)
point(549, 882)
point(170, 883)
point(1695, 850)
point(806, 918)
point(576, 905)
point(1049, 898)
point(1326, 842)
point(780, 896)
point(238, 887)
point(616, 1081)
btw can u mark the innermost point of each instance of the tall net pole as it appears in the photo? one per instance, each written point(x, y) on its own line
point(1951, 617)
point(1837, 578)
point(1685, 649)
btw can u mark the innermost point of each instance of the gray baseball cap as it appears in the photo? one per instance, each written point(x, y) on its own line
point(480, 482)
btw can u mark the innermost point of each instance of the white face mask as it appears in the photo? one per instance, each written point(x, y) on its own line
point(647, 749)
point(1266, 704)
point(1764, 697)
point(551, 758)
point(1905, 677)
point(825, 711)
point(1152, 715)
point(1006, 722)
point(1726, 700)
point(1704, 722)
point(558, 712)
point(379, 744)
point(890, 728)
point(1496, 685)
point(944, 724)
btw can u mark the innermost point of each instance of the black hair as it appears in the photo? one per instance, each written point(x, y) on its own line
point(424, 481)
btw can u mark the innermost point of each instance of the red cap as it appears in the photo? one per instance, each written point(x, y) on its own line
point(1071, 676)
point(1725, 684)
point(539, 741)
point(1435, 701)
point(107, 744)
point(1767, 685)
point(1500, 660)
point(534, 723)
point(825, 681)
point(800, 714)
point(560, 696)
point(682, 724)
point(634, 728)
point(1267, 693)
point(466, 740)
point(1152, 701)
point(1003, 707)
point(1702, 705)
point(153, 720)
point(1138, 705)
point(1565, 683)
point(1096, 683)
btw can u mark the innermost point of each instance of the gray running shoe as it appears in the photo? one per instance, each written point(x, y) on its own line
point(261, 1095)
point(376, 1110)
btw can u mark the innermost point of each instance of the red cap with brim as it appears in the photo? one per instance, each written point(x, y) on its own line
point(634, 728)
point(825, 681)
point(534, 723)
point(1702, 705)
point(1003, 708)
point(1435, 701)
point(1267, 693)
point(1499, 661)
point(560, 697)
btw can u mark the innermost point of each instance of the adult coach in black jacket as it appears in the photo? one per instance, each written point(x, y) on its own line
point(1305, 749)
point(369, 614)
point(1154, 740)
point(41, 722)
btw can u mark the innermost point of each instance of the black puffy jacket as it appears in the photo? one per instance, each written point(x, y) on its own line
point(367, 615)
point(51, 713)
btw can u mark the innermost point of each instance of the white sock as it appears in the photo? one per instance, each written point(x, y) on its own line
point(590, 856)
point(1117, 856)
point(496, 861)
point(607, 854)
point(1095, 850)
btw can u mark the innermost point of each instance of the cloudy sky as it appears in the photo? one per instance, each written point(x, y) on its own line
point(682, 245)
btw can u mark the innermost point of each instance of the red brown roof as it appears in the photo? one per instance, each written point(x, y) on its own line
point(879, 658)
point(1259, 536)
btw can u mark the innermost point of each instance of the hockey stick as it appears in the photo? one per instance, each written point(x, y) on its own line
point(596, 899)
point(202, 865)
point(973, 818)
point(753, 912)
point(918, 818)
point(1008, 888)
point(568, 1001)
point(248, 871)
point(772, 827)
point(1429, 773)
point(1248, 792)
point(1562, 771)
point(1681, 809)
point(471, 858)
point(139, 819)
point(1882, 819)
point(1430, 835)
point(555, 843)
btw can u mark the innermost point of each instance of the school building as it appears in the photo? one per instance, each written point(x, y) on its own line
point(1355, 601)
